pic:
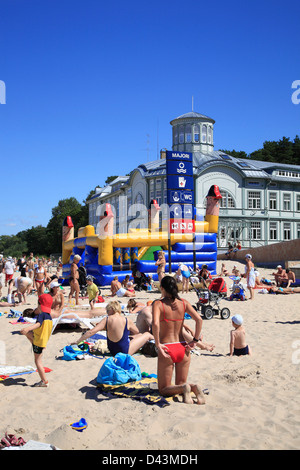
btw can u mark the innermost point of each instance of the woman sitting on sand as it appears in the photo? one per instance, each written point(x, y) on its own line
point(117, 289)
point(167, 326)
point(224, 271)
point(119, 330)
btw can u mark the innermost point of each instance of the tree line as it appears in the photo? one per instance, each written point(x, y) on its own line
point(281, 151)
point(44, 241)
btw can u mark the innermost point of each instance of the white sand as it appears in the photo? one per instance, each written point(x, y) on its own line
point(253, 401)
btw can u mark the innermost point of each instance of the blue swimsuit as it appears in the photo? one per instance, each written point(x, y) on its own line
point(120, 346)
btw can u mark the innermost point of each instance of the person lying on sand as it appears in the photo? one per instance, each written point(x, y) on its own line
point(284, 290)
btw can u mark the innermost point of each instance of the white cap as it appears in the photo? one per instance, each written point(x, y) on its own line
point(54, 284)
point(237, 319)
point(248, 256)
point(279, 266)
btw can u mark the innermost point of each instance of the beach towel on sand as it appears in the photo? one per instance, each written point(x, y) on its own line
point(144, 390)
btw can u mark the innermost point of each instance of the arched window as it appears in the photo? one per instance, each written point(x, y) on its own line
point(209, 135)
point(227, 200)
point(175, 135)
point(139, 199)
point(204, 134)
point(196, 133)
point(181, 134)
point(188, 133)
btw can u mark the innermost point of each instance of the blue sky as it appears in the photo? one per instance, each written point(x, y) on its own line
point(91, 88)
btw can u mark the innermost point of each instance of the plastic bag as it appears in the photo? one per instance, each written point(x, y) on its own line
point(119, 370)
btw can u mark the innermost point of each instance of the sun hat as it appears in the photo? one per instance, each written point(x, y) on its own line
point(45, 301)
point(237, 319)
point(54, 284)
point(89, 278)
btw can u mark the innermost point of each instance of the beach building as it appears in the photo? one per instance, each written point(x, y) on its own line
point(260, 200)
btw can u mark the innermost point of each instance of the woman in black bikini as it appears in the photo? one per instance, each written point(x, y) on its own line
point(167, 325)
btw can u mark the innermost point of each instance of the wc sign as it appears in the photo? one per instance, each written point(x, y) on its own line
point(2, 92)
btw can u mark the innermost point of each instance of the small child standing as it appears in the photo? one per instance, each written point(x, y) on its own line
point(92, 291)
point(39, 334)
point(238, 345)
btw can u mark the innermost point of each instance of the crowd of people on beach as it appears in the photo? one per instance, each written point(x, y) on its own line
point(160, 321)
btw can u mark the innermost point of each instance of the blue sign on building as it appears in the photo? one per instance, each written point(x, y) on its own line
point(183, 156)
point(180, 182)
point(180, 197)
point(178, 211)
point(180, 192)
point(179, 167)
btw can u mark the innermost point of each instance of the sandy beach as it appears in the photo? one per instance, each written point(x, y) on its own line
point(253, 401)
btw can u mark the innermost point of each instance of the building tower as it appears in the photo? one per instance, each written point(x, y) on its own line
point(193, 132)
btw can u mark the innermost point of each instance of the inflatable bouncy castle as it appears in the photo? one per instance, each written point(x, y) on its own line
point(106, 254)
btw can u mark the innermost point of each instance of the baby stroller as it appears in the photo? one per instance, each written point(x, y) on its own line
point(82, 281)
point(142, 282)
point(210, 297)
point(238, 291)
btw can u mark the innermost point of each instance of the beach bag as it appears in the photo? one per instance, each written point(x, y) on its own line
point(119, 370)
point(71, 353)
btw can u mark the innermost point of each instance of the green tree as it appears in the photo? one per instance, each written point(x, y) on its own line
point(12, 245)
point(109, 179)
point(65, 207)
point(36, 239)
point(235, 153)
point(296, 150)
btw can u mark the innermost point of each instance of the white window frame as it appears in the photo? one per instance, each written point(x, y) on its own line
point(272, 201)
point(273, 231)
point(287, 231)
point(286, 201)
point(254, 199)
point(255, 228)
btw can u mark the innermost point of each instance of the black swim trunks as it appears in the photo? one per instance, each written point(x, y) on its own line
point(241, 352)
point(37, 349)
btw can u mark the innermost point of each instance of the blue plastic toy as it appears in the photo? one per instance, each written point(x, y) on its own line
point(80, 425)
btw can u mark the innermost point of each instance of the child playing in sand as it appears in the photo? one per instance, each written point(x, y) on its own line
point(238, 345)
point(39, 334)
point(92, 291)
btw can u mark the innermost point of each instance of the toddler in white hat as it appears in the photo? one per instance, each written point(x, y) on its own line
point(238, 345)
